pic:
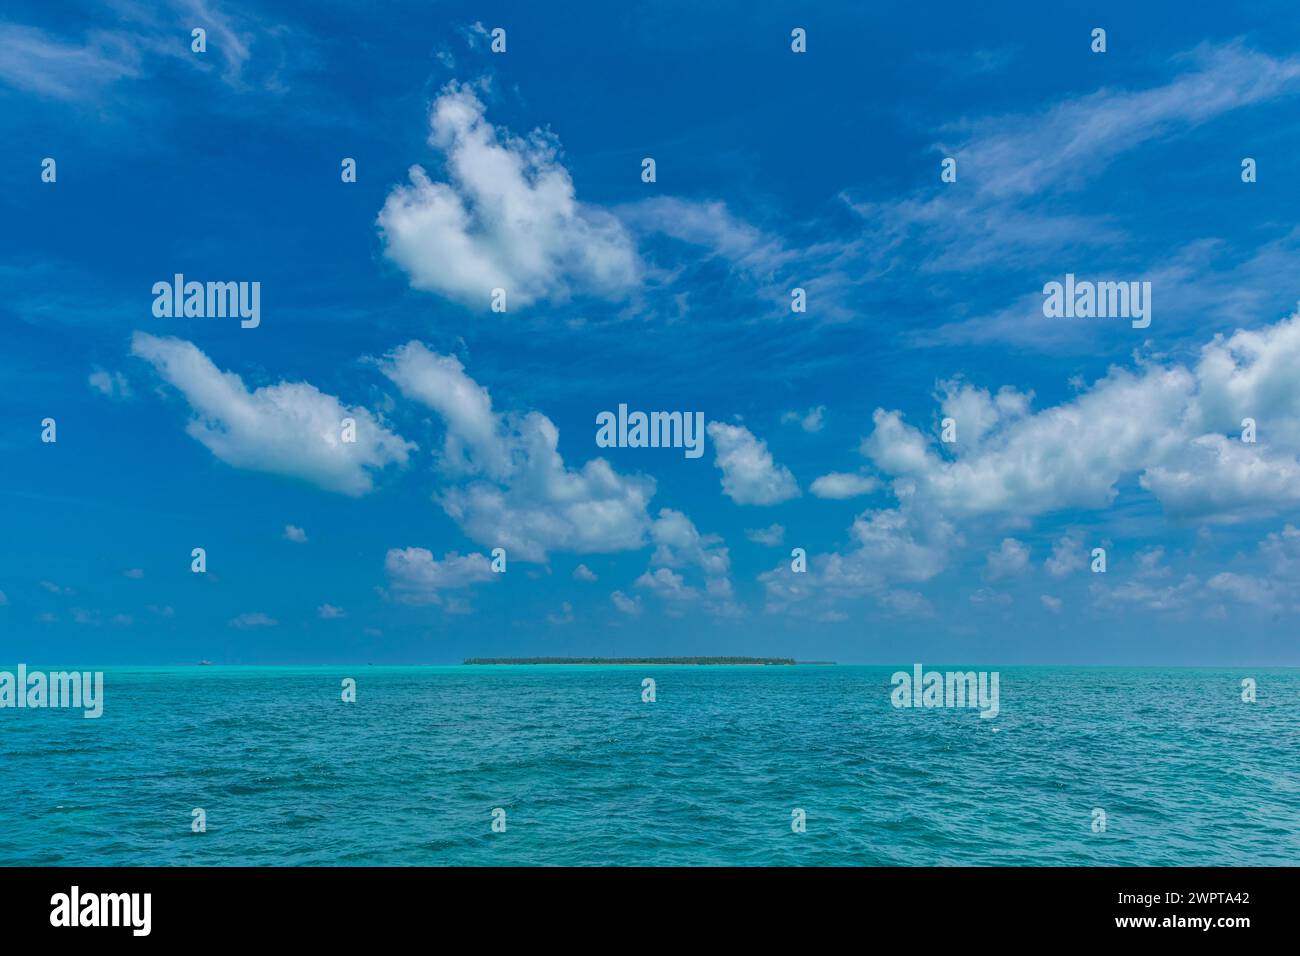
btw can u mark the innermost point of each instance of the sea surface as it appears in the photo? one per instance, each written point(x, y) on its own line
point(709, 773)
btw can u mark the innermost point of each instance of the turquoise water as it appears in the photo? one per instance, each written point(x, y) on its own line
point(707, 774)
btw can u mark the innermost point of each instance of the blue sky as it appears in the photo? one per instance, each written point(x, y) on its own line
point(774, 171)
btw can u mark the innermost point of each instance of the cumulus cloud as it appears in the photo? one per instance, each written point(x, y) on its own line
point(584, 573)
point(906, 603)
point(625, 604)
point(678, 543)
point(1176, 427)
point(1245, 588)
point(414, 576)
point(295, 534)
point(1222, 480)
point(1053, 604)
point(839, 485)
point(507, 217)
point(1070, 455)
point(290, 429)
point(975, 411)
point(892, 546)
point(678, 596)
point(519, 494)
point(1268, 580)
point(771, 536)
point(328, 612)
point(1009, 560)
point(750, 476)
point(1145, 592)
point(1068, 556)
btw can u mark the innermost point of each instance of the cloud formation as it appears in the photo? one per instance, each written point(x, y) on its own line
point(415, 577)
point(750, 476)
point(507, 217)
point(518, 493)
point(290, 429)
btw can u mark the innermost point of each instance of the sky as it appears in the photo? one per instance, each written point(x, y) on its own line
point(522, 170)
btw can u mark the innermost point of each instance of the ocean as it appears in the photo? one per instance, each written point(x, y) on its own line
point(711, 772)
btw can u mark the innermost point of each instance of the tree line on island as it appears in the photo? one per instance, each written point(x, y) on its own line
point(630, 660)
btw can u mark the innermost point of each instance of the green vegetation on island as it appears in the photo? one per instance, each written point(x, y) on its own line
point(644, 661)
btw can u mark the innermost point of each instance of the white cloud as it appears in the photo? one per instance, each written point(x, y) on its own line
point(894, 546)
point(328, 612)
point(474, 439)
point(1245, 588)
point(906, 603)
point(1008, 561)
point(715, 597)
point(251, 620)
point(1282, 550)
point(33, 60)
point(839, 485)
point(1143, 593)
point(1176, 427)
point(1011, 161)
point(565, 616)
point(583, 573)
point(810, 421)
point(1150, 563)
point(1223, 479)
point(1068, 556)
point(508, 218)
point(1070, 455)
point(625, 604)
point(678, 543)
point(4, 600)
point(521, 495)
point(975, 411)
point(295, 534)
point(749, 474)
point(37, 61)
point(290, 429)
point(771, 536)
point(1269, 582)
point(1010, 156)
point(134, 573)
point(416, 578)
point(112, 384)
point(1053, 604)
point(712, 225)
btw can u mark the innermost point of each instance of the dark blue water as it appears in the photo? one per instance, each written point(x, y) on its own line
point(709, 773)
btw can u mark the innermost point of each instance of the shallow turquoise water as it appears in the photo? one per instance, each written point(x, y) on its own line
point(707, 774)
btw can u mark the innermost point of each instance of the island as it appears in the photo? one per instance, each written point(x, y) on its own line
point(640, 661)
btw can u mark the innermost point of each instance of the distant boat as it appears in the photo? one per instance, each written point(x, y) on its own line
point(205, 663)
